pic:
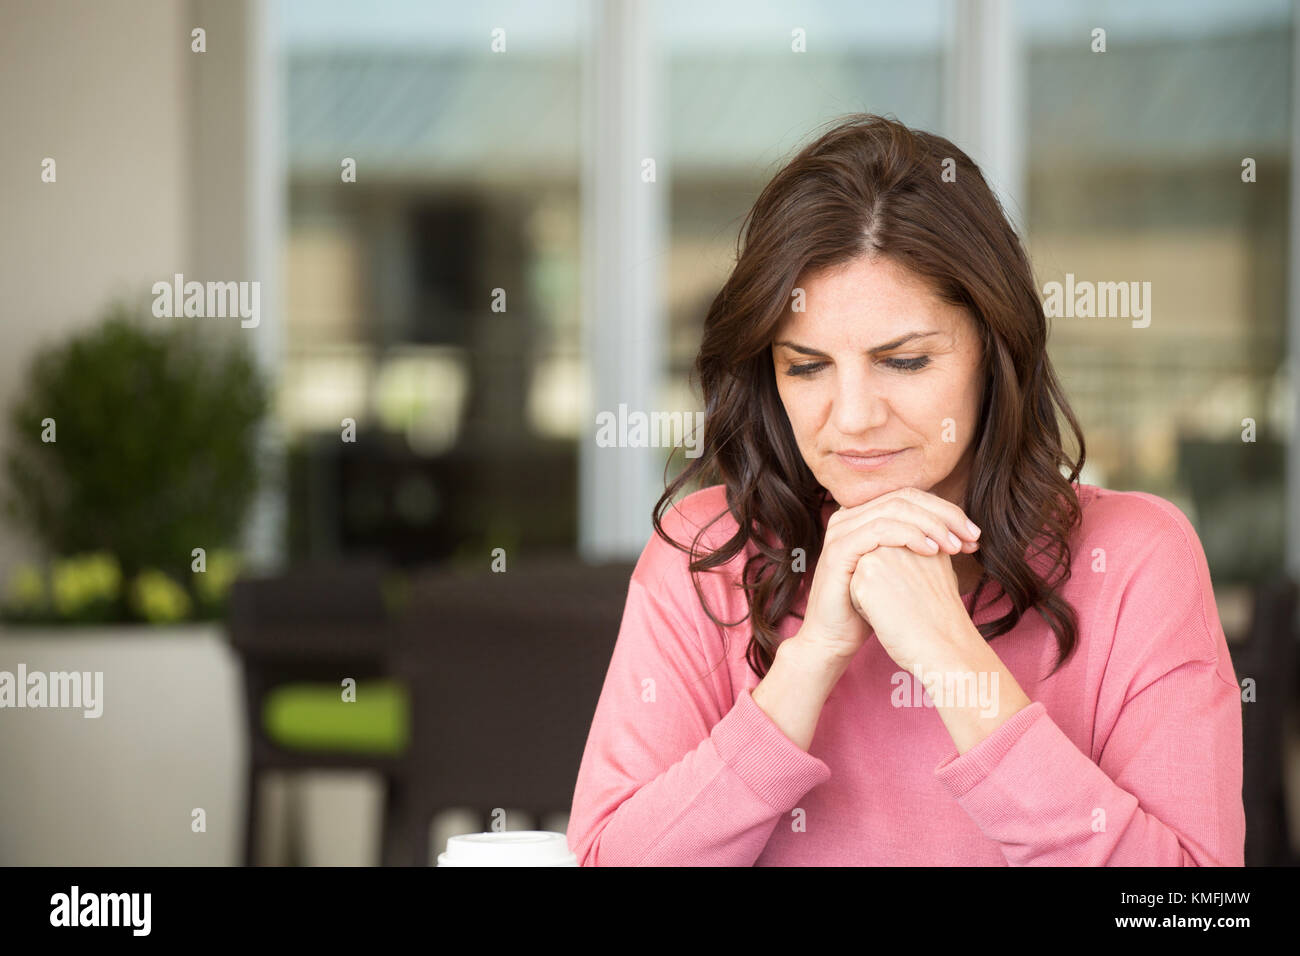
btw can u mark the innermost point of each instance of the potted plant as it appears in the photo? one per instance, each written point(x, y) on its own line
point(132, 462)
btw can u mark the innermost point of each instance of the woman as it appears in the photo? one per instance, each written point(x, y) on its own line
point(805, 673)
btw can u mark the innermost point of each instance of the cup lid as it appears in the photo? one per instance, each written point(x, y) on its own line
point(508, 848)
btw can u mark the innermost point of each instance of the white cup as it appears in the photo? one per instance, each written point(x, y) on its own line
point(508, 848)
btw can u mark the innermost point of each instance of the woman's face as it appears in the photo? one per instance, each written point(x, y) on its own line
point(851, 384)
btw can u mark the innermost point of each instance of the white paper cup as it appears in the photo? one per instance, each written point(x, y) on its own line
point(508, 848)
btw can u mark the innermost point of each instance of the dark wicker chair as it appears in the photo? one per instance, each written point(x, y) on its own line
point(316, 623)
point(507, 669)
point(1269, 656)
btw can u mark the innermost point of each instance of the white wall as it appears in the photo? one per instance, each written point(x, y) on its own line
point(101, 89)
point(150, 144)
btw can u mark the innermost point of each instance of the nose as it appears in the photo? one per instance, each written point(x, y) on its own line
point(860, 407)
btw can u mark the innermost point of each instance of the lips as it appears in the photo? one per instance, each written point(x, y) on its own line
point(867, 460)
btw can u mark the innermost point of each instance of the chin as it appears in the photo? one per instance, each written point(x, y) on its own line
point(858, 493)
point(851, 493)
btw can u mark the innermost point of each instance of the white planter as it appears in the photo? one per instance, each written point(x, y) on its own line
point(120, 789)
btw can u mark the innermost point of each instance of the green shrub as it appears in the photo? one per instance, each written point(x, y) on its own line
point(154, 454)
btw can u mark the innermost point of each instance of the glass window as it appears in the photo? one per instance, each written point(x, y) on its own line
point(432, 297)
point(1138, 161)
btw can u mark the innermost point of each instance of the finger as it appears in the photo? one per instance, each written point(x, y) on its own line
point(953, 515)
point(957, 521)
point(879, 532)
point(927, 521)
point(902, 509)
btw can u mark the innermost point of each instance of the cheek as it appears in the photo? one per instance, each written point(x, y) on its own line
point(955, 401)
point(923, 409)
point(802, 409)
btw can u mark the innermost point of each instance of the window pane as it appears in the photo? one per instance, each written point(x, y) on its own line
point(433, 298)
point(1135, 172)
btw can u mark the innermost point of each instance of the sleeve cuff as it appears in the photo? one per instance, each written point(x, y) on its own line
point(768, 761)
point(959, 773)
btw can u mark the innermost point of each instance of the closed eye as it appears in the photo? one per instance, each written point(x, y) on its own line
point(909, 365)
point(903, 365)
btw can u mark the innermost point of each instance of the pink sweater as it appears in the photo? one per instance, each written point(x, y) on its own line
point(1130, 755)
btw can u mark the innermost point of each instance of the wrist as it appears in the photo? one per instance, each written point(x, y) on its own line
point(961, 648)
point(793, 692)
point(816, 666)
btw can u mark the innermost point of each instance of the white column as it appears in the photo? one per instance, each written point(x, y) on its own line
point(264, 215)
point(623, 245)
point(984, 98)
point(1293, 312)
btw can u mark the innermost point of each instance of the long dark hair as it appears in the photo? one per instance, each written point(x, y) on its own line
point(871, 185)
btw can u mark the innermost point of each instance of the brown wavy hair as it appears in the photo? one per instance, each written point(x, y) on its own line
point(871, 186)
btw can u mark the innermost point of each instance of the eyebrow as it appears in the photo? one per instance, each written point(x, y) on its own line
point(887, 347)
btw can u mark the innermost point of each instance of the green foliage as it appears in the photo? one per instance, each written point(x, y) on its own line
point(154, 451)
point(85, 587)
point(158, 599)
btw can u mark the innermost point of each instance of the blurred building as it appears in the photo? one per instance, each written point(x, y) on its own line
point(482, 169)
point(471, 180)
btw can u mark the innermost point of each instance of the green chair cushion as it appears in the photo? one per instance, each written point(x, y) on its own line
point(311, 716)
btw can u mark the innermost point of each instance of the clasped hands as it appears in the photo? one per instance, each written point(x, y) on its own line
point(886, 567)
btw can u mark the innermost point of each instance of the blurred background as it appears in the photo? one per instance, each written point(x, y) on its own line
point(473, 229)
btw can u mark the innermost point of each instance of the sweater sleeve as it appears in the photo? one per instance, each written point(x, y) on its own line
point(675, 772)
point(1166, 788)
